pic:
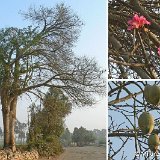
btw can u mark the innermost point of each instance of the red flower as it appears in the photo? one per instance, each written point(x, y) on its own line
point(137, 22)
point(159, 51)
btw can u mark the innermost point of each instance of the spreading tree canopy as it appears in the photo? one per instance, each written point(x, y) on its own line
point(40, 56)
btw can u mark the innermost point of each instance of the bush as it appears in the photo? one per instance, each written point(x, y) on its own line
point(102, 141)
point(50, 146)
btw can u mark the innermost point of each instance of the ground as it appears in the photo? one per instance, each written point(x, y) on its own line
point(82, 153)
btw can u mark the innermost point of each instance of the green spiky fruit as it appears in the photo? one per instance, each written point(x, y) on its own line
point(152, 94)
point(153, 142)
point(146, 122)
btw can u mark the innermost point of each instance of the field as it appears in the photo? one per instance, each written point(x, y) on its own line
point(82, 153)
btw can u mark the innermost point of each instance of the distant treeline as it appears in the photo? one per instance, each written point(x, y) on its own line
point(82, 137)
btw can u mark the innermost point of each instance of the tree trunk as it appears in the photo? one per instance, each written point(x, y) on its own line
point(5, 112)
point(9, 118)
point(12, 123)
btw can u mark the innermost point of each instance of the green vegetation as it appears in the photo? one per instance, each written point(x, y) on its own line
point(82, 136)
point(20, 131)
point(100, 136)
point(66, 138)
point(46, 124)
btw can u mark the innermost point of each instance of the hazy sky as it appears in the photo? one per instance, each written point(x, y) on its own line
point(92, 42)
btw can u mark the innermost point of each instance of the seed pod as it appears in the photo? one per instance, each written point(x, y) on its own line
point(153, 142)
point(146, 122)
point(152, 94)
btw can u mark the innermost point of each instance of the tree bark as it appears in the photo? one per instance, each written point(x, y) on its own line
point(5, 112)
point(6, 115)
point(9, 117)
point(12, 123)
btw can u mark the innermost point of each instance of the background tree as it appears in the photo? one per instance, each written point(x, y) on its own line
point(126, 104)
point(40, 56)
point(133, 53)
point(75, 135)
point(22, 136)
point(89, 137)
point(66, 138)
point(100, 136)
point(20, 130)
point(82, 136)
point(1, 133)
point(47, 123)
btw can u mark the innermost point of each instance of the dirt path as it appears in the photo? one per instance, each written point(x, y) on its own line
point(82, 153)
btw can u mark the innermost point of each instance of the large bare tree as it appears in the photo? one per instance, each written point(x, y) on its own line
point(126, 103)
point(133, 53)
point(40, 56)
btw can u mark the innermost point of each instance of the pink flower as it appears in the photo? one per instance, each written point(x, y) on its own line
point(137, 22)
point(159, 51)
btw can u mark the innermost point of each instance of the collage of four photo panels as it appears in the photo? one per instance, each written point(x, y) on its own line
point(133, 88)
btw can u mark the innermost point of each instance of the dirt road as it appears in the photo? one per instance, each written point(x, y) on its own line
point(82, 153)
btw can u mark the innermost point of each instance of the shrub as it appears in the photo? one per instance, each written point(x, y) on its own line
point(50, 146)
